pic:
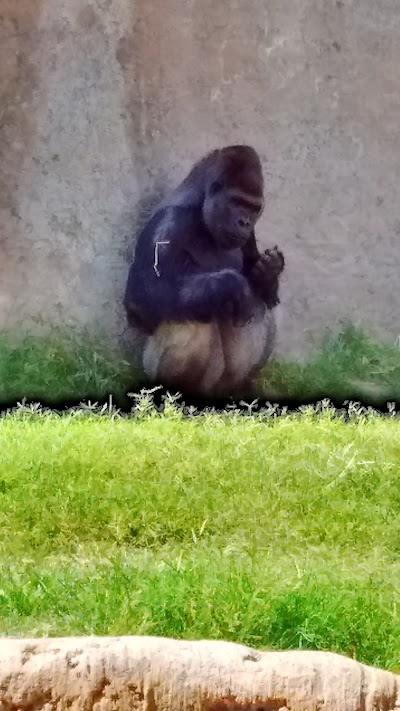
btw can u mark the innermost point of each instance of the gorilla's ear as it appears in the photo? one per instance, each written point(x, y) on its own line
point(215, 188)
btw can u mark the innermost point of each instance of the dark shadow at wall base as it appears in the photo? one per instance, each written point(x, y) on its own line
point(253, 404)
point(159, 398)
point(63, 370)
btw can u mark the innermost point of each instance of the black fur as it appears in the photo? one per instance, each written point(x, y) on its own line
point(198, 274)
point(207, 266)
point(208, 270)
point(182, 288)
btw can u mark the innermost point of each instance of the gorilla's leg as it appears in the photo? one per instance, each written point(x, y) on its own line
point(246, 350)
point(210, 359)
point(185, 356)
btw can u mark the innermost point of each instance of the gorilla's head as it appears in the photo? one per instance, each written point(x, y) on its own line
point(233, 198)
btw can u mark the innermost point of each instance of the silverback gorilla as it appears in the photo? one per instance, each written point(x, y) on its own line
point(198, 287)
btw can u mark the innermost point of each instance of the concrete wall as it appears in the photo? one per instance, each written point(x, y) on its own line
point(104, 102)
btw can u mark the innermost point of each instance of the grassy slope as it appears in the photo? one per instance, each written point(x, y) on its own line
point(280, 533)
point(62, 366)
point(349, 366)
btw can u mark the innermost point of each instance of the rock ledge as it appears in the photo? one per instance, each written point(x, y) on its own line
point(159, 674)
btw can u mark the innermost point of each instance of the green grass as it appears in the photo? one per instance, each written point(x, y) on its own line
point(279, 532)
point(77, 366)
point(63, 366)
point(350, 365)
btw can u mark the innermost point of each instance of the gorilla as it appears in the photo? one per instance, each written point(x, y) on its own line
point(198, 288)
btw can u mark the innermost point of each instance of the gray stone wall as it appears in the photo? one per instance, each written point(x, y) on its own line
point(104, 103)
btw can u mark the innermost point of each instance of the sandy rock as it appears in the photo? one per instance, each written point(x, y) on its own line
point(158, 674)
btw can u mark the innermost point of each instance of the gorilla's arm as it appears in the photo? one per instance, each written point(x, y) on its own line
point(263, 271)
point(164, 283)
point(251, 254)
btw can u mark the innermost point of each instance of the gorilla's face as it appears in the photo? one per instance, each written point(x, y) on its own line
point(230, 212)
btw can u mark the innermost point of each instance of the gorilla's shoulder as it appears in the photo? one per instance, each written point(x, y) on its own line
point(174, 221)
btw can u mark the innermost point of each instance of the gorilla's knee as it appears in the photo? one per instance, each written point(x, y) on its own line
point(187, 356)
point(247, 348)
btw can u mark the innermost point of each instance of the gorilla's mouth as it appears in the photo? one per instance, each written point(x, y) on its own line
point(231, 240)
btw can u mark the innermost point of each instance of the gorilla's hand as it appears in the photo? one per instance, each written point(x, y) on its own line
point(269, 266)
point(264, 276)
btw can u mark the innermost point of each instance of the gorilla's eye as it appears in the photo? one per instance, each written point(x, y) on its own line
point(252, 208)
point(215, 187)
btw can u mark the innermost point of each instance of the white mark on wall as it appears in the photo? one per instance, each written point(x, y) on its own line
point(334, 101)
point(277, 43)
point(359, 143)
point(318, 82)
point(233, 78)
point(343, 225)
point(215, 94)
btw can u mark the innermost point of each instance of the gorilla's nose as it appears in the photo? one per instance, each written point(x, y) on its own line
point(243, 222)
